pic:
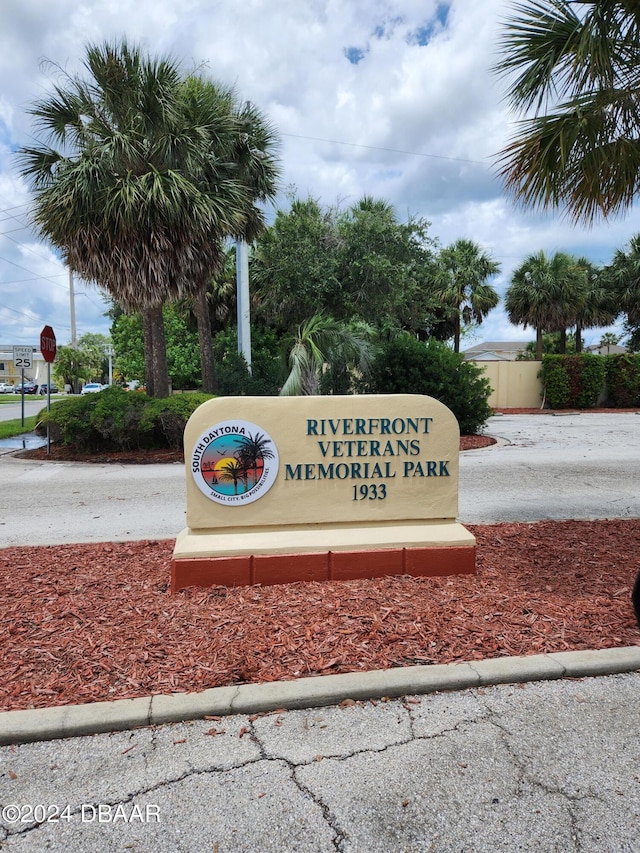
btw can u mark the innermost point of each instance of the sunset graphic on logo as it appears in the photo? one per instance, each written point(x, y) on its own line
point(235, 462)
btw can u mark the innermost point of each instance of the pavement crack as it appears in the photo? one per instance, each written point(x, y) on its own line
point(234, 698)
point(529, 777)
point(340, 835)
point(126, 799)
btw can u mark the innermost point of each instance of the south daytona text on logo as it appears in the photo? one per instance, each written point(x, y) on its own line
point(234, 462)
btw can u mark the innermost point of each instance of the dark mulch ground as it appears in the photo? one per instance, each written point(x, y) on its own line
point(86, 623)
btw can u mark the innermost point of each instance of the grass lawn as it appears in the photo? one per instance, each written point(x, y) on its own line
point(10, 428)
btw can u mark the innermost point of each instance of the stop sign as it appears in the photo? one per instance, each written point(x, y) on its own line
point(48, 344)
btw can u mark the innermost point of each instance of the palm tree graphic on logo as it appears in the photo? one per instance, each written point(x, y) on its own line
point(234, 464)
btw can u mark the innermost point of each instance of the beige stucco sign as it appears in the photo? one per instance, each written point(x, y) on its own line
point(299, 475)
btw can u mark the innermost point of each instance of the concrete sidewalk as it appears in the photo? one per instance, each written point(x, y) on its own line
point(544, 767)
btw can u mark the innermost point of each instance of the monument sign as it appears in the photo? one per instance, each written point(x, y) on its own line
point(315, 488)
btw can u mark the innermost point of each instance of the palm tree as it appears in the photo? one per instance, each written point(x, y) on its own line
point(461, 284)
point(577, 66)
point(544, 293)
point(238, 135)
point(253, 448)
point(623, 277)
point(598, 308)
point(232, 472)
point(318, 341)
point(135, 194)
point(608, 340)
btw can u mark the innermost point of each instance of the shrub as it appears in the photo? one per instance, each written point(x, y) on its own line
point(115, 416)
point(268, 368)
point(623, 379)
point(405, 365)
point(115, 419)
point(573, 381)
point(163, 421)
point(70, 423)
point(555, 382)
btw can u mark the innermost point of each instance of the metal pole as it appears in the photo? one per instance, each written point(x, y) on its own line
point(22, 389)
point(110, 354)
point(242, 289)
point(48, 407)
point(72, 308)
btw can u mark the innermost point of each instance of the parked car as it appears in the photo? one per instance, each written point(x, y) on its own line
point(52, 390)
point(92, 387)
point(6, 388)
point(27, 388)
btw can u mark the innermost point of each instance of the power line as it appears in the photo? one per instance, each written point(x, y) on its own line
point(388, 150)
point(27, 249)
point(30, 315)
point(15, 207)
point(46, 277)
point(18, 217)
point(13, 230)
point(23, 280)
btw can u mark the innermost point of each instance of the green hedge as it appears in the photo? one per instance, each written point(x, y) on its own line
point(623, 379)
point(581, 381)
point(115, 419)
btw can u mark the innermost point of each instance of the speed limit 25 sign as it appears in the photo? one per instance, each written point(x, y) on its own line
point(22, 357)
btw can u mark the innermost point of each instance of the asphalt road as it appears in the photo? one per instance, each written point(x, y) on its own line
point(545, 467)
point(547, 767)
point(13, 411)
point(544, 767)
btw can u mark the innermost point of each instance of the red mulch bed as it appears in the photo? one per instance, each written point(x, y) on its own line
point(86, 623)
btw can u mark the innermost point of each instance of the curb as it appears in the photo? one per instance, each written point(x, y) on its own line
point(40, 724)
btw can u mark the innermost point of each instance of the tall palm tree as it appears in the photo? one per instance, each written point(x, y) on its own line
point(238, 135)
point(543, 294)
point(577, 66)
point(598, 307)
point(232, 472)
point(623, 277)
point(134, 194)
point(318, 341)
point(461, 284)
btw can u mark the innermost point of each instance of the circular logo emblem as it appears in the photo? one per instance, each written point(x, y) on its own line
point(234, 462)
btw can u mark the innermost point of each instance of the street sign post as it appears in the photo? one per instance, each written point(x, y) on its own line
point(22, 358)
point(48, 349)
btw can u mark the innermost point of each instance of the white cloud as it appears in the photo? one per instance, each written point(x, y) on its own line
point(401, 89)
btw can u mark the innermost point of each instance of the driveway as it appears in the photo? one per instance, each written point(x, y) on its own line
point(580, 466)
point(544, 467)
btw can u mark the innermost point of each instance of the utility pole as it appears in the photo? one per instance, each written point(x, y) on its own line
point(242, 291)
point(72, 307)
point(72, 312)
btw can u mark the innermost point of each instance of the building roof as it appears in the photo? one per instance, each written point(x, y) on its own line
point(611, 349)
point(498, 346)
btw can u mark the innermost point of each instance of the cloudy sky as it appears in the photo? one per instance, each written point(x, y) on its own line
point(392, 98)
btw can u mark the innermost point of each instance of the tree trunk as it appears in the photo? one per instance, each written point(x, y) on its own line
point(563, 342)
point(155, 353)
point(539, 343)
point(205, 339)
point(147, 328)
point(578, 338)
point(456, 334)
